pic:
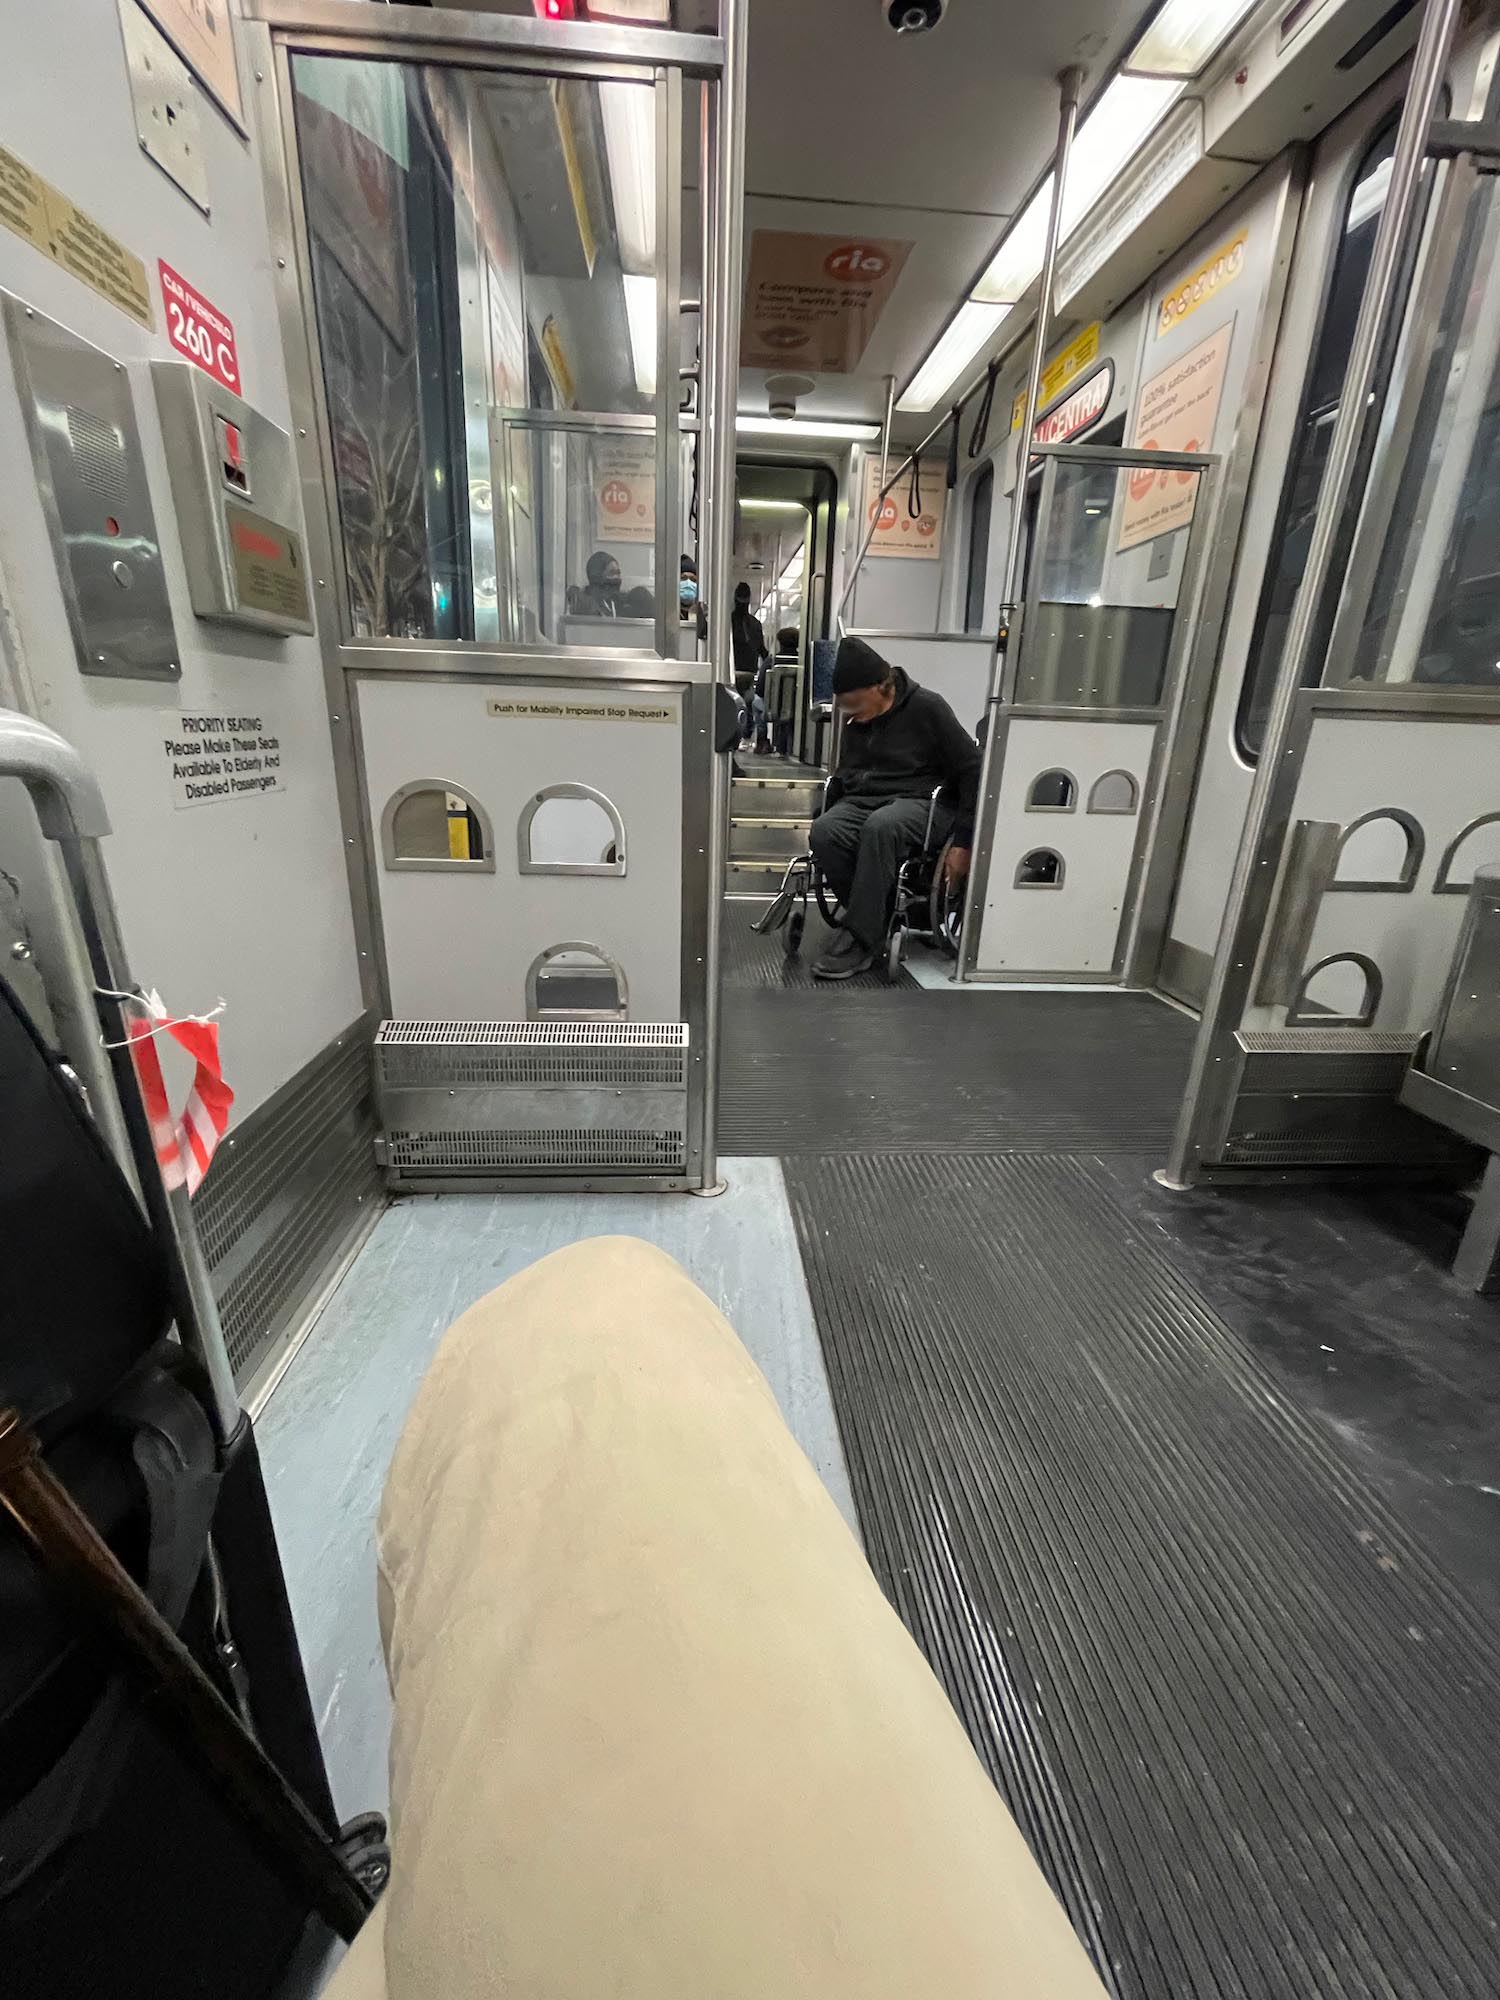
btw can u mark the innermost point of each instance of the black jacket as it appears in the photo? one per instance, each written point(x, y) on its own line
point(748, 636)
point(919, 743)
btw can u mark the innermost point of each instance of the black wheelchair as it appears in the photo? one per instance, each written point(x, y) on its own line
point(925, 905)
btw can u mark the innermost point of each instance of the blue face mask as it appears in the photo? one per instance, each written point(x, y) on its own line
point(687, 591)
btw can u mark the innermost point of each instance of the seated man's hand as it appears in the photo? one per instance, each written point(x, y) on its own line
point(956, 864)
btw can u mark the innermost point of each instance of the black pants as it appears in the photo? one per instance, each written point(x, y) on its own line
point(860, 845)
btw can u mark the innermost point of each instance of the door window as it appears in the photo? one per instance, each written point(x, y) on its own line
point(1304, 478)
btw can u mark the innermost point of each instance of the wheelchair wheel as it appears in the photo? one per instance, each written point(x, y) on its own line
point(945, 907)
point(795, 927)
point(827, 907)
point(895, 952)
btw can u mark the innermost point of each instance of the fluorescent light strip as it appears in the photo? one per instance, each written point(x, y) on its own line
point(972, 327)
point(1127, 112)
point(799, 427)
point(1185, 37)
point(771, 507)
point(1125, 116)
point(640, 317)
point(629, 114)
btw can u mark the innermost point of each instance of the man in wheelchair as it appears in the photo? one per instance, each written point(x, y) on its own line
point(900, 743)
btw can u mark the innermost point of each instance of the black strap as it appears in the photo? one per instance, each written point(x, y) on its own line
point(167, 1433)
point(980, 433)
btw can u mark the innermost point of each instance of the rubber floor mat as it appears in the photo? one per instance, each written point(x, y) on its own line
point(1245, 1721)
point(912, 1071)
point(748, 960)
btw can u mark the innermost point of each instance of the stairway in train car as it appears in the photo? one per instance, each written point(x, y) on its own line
point(770, 817)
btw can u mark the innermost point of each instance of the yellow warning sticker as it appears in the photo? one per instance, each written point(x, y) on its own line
point(43, 216)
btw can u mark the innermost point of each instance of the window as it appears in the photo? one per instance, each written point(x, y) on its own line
point(571, 830)
point(1342, 991)
point(1379, 850)
point(1115, 792)
point(981, 497)
point(434, 825)
point(493, 437)
point(575, 981)
point(1040, 869)
point(1475, 846)
point(1052, 792)
point(1309, 454)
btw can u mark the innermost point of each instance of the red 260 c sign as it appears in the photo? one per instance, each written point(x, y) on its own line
point(199, 330)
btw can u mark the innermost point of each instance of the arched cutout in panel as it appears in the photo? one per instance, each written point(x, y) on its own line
point(436, 825)
point(1115, 792)
point(570, 830)
point(1052, 792)
point(578, 982)
point(1379, 850)
point(1476, 845)
point(1340, 991)
point(1042, 868)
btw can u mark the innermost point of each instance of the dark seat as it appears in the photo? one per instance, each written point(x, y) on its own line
point(120, 1872)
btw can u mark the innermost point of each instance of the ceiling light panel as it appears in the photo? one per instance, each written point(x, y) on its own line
point(1186, 36)
point(804, 427)
point(640, 317)
point(1120, 122)
point(970, 330)
point(629, 114)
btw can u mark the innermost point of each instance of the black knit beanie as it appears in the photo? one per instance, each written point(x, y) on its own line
point(857, 665)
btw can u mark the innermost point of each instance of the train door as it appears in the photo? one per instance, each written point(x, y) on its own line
point(1349, 175)
point(487, 334)
point(1378, 796)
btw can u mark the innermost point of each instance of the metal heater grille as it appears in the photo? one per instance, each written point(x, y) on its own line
point(470, 1098)
point(504, 1152)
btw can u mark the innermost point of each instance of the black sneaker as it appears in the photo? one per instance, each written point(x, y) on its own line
point(845, 958)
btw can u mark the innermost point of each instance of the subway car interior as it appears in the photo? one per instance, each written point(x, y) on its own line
point(750, 1000)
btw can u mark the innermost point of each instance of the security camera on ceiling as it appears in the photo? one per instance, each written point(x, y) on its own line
point(913, 17)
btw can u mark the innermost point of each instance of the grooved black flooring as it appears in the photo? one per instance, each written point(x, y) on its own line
point(1245, 1720)
point(917, 1071)
point(749, 961)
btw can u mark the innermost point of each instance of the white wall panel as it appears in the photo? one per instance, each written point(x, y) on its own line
point(459, 945)
point(1074, 928)
point(246, 898)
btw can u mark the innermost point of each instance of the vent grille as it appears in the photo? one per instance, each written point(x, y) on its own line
point(479, 1152)
point(534, 1034)
point(434, 1068)
point(98, 452)
point(283, 1194)
point(1394, 1145)
point(1324, 1042)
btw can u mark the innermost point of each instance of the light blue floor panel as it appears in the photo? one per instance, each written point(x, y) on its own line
point(327, 1434)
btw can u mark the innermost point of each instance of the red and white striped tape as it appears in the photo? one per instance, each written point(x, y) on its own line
point(186, 1144)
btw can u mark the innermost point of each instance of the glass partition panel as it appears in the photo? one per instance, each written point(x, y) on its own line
point(1432, 618)
point(575, 519)
point(484, 243)
point(1105, 579)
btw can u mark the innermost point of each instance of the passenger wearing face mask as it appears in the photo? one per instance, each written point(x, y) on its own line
point(601, 595)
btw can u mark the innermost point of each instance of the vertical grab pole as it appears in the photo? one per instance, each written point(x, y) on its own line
point(1255, 865)
point(721, 293)
point(1067, 120)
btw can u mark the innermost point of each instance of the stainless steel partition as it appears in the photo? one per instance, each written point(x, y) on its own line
point(557, 60)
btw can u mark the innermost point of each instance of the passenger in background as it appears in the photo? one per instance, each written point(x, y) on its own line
point(750, 649)
point(900, 743)
point(689, 604)
point(781, 691)
point(602, 597)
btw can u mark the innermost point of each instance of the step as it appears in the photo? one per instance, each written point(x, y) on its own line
point(753, 878)
point(777, 798)
point(754, 838)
